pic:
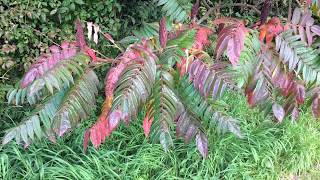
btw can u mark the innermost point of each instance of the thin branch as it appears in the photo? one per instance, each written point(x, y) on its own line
point(289, 10)
point(212, 9)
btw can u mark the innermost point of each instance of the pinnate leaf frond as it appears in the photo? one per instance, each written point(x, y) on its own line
point(298, 56)
point(128, 86)
point(49, 74)
point(78, 103)
point(202, 108)
point(58, 113)
point(37, 125)
point(303, 25)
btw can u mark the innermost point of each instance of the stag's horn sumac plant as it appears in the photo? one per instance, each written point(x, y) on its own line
point(172, 79)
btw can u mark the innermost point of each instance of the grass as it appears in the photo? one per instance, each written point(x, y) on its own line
point(268, 151)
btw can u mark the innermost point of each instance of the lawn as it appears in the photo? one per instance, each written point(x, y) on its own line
point(267, 151)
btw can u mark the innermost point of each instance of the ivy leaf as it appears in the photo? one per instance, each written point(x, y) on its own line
point(54, 11)
point(278, 112)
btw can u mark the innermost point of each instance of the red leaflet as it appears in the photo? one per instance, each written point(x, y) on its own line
point(113, 77)
point(250, 98)
point(309, 2)
point(163, 32)
point(269, 30)
point(278, 112)
point(81, 42)
point(284, 82)
point(231, 38)
point(91, 53)
point(249, 91)
point(147, 122)
point(302, 23)
point(86, 140)
point(107, 120)
point(182, 66)
point(202, 38)
point(190, 133)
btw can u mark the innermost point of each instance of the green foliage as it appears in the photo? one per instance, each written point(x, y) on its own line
point(247, 60)
point(163, 105)
point(298, 56)
point(185, 40)
point(175, 9)
point(30, 26)
point(269, 151)
point(58, 114)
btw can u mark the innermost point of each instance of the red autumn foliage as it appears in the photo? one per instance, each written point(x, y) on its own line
point(230, 38)
point(270, 30)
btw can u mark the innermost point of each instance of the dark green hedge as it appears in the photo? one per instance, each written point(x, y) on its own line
point(28, 27)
